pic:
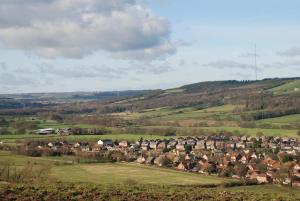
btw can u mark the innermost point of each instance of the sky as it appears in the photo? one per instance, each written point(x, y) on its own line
point(100, 45)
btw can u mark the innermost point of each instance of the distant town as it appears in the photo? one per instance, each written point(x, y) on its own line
point(256, 160)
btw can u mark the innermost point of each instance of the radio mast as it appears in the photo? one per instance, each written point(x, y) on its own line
point(255, 63)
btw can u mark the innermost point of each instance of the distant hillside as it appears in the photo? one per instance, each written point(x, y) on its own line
point(275, 97)
point(214, 93)
point(288, 87)
point(36, 100)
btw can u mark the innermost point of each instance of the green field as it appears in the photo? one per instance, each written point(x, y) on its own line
point(77, 138)
point(255, 131)
point(123, 172)
point(63, 170)
point(186, 131)
point(20, 160)
point(223, 112)
point(290, 87)
point(288, 119)
point(127, 181)
point(50, 124)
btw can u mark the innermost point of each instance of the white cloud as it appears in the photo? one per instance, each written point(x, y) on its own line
point(248, 55)
point(283, 64)
point(292, 52)
point(102, 72)
point(75, 28)
point(229, 64)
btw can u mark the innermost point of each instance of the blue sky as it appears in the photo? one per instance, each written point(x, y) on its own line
point(99, 45)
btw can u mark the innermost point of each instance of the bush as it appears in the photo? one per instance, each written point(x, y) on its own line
point(4, 131)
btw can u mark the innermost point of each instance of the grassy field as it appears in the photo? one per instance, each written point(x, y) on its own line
point(274, 190)
point(20, 160)
point(287, 88)
point(255, 131)
point(50, 124)
point(128, 181)
point(109, 173)
point(124, 172)
point(81, 191)
point(288, 119)
point(186, 131)
point(76, 138)
point(220, 112)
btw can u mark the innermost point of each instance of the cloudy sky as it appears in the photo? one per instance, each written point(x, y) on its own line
point(100, 45)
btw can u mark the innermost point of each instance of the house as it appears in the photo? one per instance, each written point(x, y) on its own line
point(286, 181)
point(50, 144)
point(172, 144)
point(161, 145)
point(145, 145)
point(159, 161)
point(150, 160)
point(230, 145)
point(123, 144)
point(262, 178)
point(182, 166)
point(200, 144)
point(191, 142)
point(106, 143)
point(134, 147)
point(79, 144)
point(273, 145)
point(220, 145)
point(210, 145)
point(250, 144)
point(243, 160)
point(296, 147)
point(205, 157)
point(296, 169)
point(285, 140)
point(85, 147)
point(296, 180)
point(240, 145)
point(244, 138)
point(96, 147)
point(254, 156)
point(153, 144)
point(141, 160)
point(180, 147)
point(45, 131)
point(64, 131)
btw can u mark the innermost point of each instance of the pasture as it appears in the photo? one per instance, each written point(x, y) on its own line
point(78, 138)
point(62, 169)
point(116, 173)
point(288, 119)
point(290, 87)
point(194, 131)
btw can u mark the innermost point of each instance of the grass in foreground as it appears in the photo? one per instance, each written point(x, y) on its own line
point(128, 182)
point(75, 191)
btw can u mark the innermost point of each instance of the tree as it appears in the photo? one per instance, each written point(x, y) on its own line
point(57, 118)
point(187, 148)
point(4, 131)
point(287, 158)
point(3, 122)
point(241, 170)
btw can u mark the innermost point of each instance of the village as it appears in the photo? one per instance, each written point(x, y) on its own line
point(255, 160)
